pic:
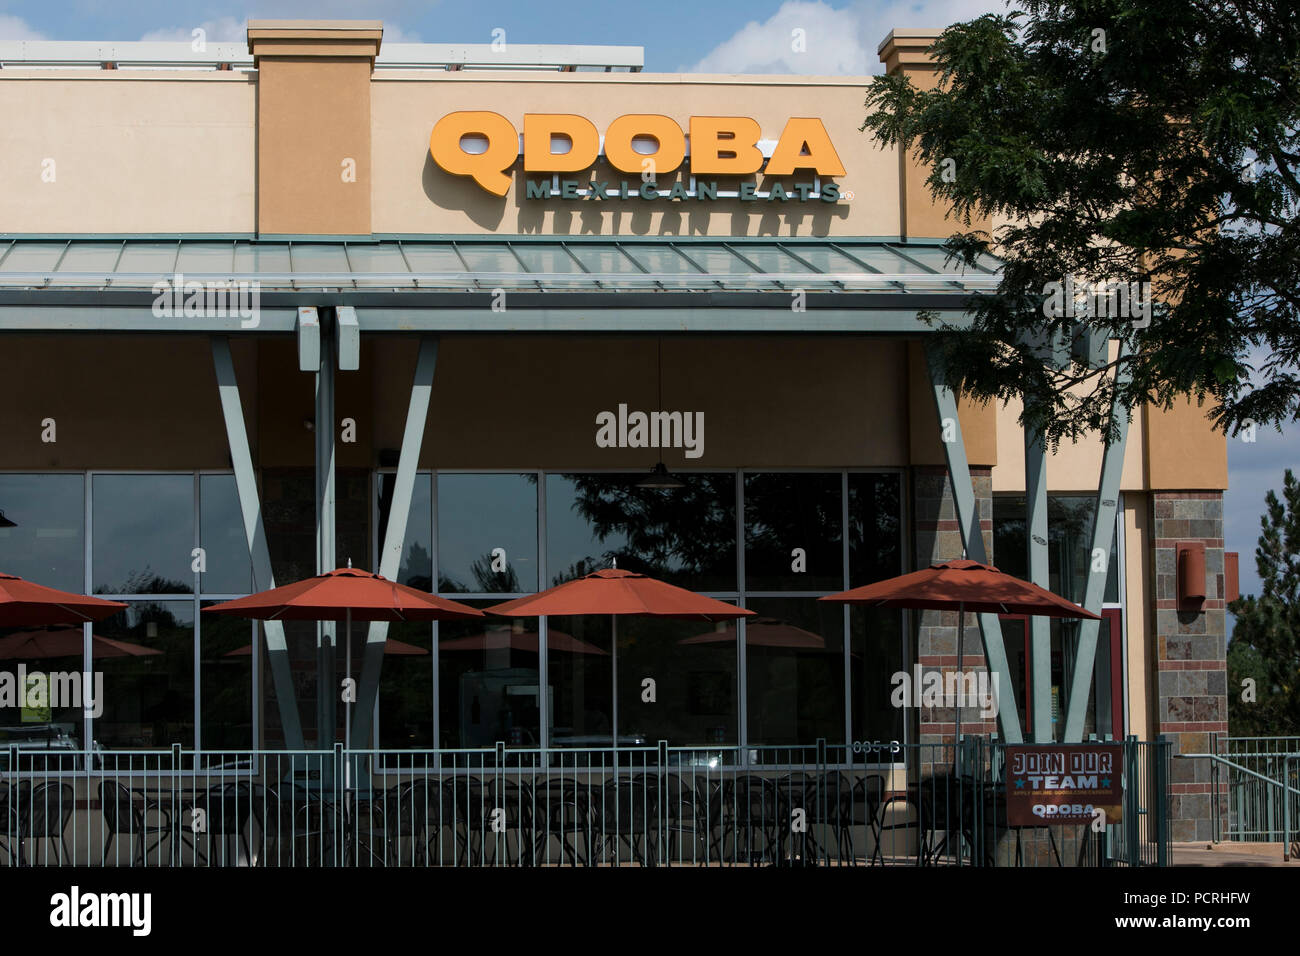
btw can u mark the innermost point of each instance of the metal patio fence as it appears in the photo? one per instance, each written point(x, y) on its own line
point(816, 805)
point(1257, 780)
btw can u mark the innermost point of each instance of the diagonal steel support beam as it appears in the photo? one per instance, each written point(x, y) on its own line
point(1040, 631)
point(250, 504)
point(1103, 539)
point(963, 492)
point(390, 557)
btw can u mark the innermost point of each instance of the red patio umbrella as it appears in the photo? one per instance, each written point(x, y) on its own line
point(962, 586)
point(521, 641)
point(25, 604)
point(616, 592)
point(66, 642)
point(343, 595)
point(765, 632)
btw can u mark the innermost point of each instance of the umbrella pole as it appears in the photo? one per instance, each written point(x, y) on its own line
point(961, 643)
point(347, 708)
point(613, 622)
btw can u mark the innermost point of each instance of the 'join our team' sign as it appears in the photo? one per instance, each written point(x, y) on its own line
point(485, 146)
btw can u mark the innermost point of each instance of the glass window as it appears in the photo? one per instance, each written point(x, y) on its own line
point(1069, 535)
point(49, 711)
point(693, 666)
point(489, 682)
point(42, 534)
point(226, 682)
point(794, 650)
point(487, 533)
point(143, 534)
point(686, 536)
point(793, 532)
point(221, 530)
point(580, 667)
point(405, 686)
point(876, 655)
point(149, 682)
point(416, 567)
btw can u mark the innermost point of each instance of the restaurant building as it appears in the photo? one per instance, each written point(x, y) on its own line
point(254, 302)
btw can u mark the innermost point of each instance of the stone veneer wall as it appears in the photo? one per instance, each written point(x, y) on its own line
point(1191, 649)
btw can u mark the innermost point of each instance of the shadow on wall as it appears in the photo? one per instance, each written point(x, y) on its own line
point(623, 216)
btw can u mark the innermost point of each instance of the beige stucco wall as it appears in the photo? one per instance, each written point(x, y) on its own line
point(133, 151)
point(413, 195)
point(531, 401)
point(117, 401)
point(1075, 466)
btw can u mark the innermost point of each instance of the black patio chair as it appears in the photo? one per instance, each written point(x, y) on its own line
point(126, 815)
point(468, 810)
point(626, 814)
point(869, 810)
point(563, 810)
point(684, 814)
point(747, 812)
point(8, 824)
point(222, 812)
point(408, 809)
point(43, 814)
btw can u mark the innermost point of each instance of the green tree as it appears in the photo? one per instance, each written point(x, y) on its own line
point(1143, 141)
point(1266, 640)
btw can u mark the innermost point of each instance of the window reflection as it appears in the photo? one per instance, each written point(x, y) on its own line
point(416, 567)
point(149, 680)
point(489, 682)
point(46, 541)
point(226, 682)
point(581, 673)
point(785, 512)
point(686, 536)
point(143, 534)
point(1069, 534)
point(37, 717)
point(794, 649)
point(221, 535)
point(487, 534)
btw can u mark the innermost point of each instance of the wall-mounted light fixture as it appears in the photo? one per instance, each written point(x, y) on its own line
point(1191, 575)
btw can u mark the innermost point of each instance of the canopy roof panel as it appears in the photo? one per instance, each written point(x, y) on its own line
point(478, 264)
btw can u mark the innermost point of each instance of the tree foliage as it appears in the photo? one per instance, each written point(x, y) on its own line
point(1266, 640)
point(1132, 140)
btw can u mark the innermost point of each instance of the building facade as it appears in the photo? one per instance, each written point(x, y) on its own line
point(252, 303)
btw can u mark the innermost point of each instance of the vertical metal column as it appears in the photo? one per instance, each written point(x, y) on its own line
point(1040, 634)
point(390, 557)
point(246, 483)
point(326, 539)
point(963, 493)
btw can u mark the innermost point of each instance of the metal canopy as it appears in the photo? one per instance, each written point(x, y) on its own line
point(473, 264)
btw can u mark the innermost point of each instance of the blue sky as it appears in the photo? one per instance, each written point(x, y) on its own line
point(724, 36)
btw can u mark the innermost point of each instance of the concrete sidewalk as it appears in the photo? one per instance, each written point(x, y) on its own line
point(1231, 854)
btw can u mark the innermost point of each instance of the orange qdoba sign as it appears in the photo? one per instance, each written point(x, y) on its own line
point(485, 146)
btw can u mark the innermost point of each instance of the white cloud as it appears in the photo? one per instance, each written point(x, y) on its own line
point(836, 41)
point(16, 28)
point(231, 30)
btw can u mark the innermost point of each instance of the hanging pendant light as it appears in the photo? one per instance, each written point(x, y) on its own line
point(659, 477)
